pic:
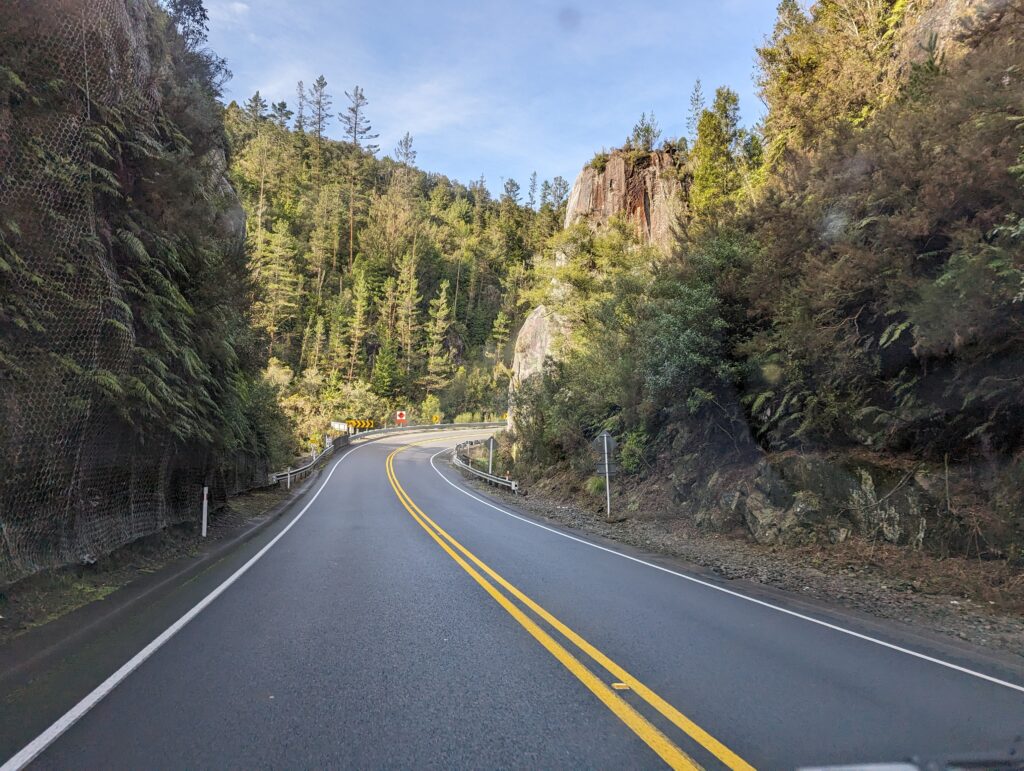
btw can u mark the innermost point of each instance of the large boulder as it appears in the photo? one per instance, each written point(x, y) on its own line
point(534, 343)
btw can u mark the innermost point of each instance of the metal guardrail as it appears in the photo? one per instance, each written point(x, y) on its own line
point(466, 464)
point(294, 474)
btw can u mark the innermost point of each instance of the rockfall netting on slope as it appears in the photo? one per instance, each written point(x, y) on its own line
point(76, 481)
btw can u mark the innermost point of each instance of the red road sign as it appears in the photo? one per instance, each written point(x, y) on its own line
point(400, 416)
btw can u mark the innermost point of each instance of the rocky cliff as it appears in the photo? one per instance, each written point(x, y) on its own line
point(647, 191)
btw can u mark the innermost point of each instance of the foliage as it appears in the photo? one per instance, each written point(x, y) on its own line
point(850, 274)
point(633, 450)
point(369, 271)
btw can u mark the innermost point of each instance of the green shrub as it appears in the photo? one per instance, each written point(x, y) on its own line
point(594, 486)
point(634, 447)
point(600, 162)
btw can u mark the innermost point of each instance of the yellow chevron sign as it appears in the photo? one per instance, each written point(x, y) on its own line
point(358, 423)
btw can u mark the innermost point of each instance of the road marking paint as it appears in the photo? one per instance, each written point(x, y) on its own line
point(763, 603)
point(33, 749)
point(643, 729)
point(620, 686)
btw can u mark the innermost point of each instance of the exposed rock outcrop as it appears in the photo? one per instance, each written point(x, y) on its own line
point(647, 192)
point(796, 498)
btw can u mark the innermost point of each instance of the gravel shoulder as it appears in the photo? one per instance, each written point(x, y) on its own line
point(976, 602)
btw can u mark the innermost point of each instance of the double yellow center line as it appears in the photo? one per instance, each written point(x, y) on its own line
point(643, 728)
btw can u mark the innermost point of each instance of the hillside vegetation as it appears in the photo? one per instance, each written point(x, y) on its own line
point(129, 375)
point(834, 345)
point(381, 287)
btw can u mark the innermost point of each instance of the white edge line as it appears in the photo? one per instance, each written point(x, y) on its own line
point(32, 750)
point(788, 612)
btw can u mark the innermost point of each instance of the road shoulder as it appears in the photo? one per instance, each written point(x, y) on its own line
point(935, 625)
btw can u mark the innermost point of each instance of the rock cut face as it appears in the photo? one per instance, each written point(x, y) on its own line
point(648, 196)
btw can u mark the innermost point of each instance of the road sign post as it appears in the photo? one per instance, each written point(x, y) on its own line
point(605, 445)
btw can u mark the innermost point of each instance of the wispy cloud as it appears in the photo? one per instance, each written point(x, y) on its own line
point(492, 87)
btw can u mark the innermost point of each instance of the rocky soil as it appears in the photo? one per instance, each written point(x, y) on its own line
point(978, 602)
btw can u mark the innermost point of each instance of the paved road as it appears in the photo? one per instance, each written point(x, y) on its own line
point(401, 622)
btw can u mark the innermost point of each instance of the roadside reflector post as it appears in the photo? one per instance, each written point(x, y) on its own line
point(289, 487)
point(490, 455)
point(206, 507)
point(607, 478)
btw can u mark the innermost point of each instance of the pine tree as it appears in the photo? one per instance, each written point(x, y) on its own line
point(357, 125)
point(499, 337)
point(715, 173)
point(385, 381)
point(645, 134)
point(359, 132)
point(387, 311)
point(359, 326)
point(439, 355)
point(336, 356)
point(696, 109)
point(727, 107)
point(531, 194)
point(559, 192)
point(408, 309)
point(312, 344)
point(277, 306)
point(280, 114)
point(300, 114)
point(320, 110)
point(255, 108)
point(323, 239)
point(404, 152)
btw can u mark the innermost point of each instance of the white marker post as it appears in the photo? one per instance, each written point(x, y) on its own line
point(289, 487)
point(206, 507)
point(490, 455)
point(607, 478)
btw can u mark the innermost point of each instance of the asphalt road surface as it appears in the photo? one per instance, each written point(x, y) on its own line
point(397, 619)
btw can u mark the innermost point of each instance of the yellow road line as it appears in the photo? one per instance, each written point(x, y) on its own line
point(635, 721)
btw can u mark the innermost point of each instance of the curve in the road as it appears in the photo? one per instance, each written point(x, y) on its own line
point(674, 756)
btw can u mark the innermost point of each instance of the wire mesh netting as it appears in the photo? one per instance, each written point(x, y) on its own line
point(75, 481)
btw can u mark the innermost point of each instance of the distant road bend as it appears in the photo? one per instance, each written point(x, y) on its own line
point(399, 619)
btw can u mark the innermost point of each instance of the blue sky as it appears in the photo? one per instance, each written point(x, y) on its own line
point(498, 88)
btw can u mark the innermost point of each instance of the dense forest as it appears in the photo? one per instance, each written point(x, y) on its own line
point(380, 286)
point(847, 279)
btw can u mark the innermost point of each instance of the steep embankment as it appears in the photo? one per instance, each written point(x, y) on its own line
point(125, 356)
point(833, 351)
